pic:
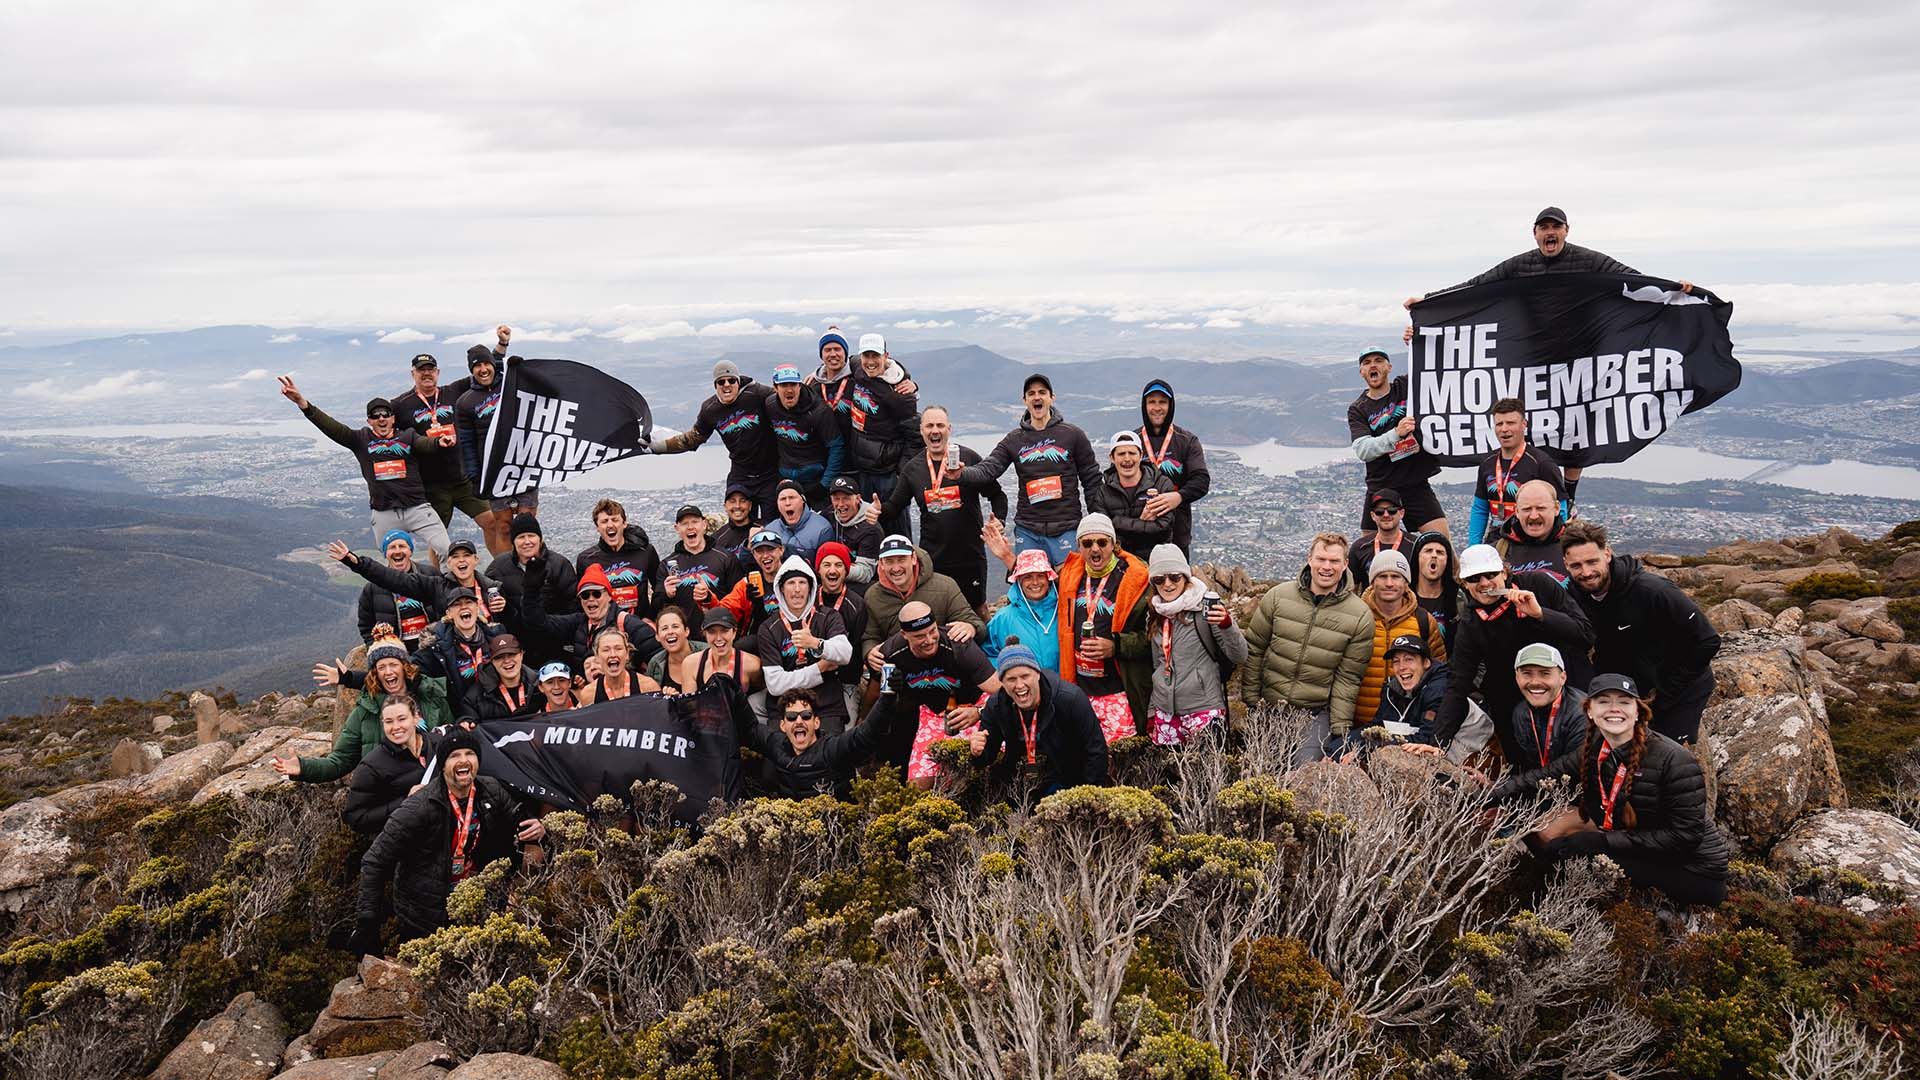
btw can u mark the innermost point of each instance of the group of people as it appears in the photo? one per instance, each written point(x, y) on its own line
point(1532, 651)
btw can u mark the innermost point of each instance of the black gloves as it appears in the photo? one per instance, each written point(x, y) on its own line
point(1585, 842)
point(366, 938)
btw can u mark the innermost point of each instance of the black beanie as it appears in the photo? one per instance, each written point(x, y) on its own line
point(478, 353)
point(524, 522)
point(459, 738)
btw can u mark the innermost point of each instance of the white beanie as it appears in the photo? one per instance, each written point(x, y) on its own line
point(1389, 562)
point(1166, 559)
point(1095, 525)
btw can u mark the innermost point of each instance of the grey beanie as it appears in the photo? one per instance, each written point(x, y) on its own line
point(1389, 562)
point(1095, 525)
point(1167, 559)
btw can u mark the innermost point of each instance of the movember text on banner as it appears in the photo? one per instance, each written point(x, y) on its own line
point(1603, 363)
point(556, 420)
point(687, 741)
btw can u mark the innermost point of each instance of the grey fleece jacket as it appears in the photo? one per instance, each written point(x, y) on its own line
point(1193, 683)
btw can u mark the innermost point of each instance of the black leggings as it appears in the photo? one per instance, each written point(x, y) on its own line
point(1681, 885)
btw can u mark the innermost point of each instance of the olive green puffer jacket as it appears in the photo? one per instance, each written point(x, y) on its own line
point(1308, 655)
point(361, 734)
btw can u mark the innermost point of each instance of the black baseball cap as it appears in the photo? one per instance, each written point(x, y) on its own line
point(688, 511)
point(463, 545)
point(1551, 213)
point(425, 360)
point(462, 593)
point(1037, 377)
point(1385, 495)
point(378, 404)
point(1613, 680)
point(1412, 643)
point(738, 488)
point(843, 486)
point(717, 616)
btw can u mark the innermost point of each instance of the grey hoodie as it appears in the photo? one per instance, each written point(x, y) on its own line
point(1186, 675)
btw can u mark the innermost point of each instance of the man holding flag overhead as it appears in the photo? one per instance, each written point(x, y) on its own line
point(556, 420)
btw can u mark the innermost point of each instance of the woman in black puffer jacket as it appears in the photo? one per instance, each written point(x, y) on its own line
point(391, 771)
point(1642, 801)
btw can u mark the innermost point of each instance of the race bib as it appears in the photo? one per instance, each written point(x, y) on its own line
point(1087, 667)
point(1043, 489)
point(412, 625)
point(436, 431)
point(1405, 448)
point(626, 596)
point(859, 418)
point(942, 499)
point(390, 470)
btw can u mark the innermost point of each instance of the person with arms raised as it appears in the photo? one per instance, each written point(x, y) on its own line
point(472, 415)
point(1039, 723)
point(1308, 643)
point(443, 834)
point(426, 408)
point(389, 460)
point(738, 411)
point(1645, 627)
point(435, 591)
point(378, 606)
point(556, 583)
point(391, 771)
point(1381, 425)
point(1053, 463)
point(805, 646)
point(800, 761)
point(950, 518)
point(391, 673)
point(1642, 801)
point(1126, 495)
point(577, 629)
point(1506, 612)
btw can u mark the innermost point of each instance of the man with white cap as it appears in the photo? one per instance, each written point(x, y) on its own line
point(1396, 612)
point(1102, 620)
point(738, 411)
point(885, 423)
point(1037, 721)
point(1506, 612)
point(907, 573)
point(1127, 496)
point(556, 687)
point(1308, 643)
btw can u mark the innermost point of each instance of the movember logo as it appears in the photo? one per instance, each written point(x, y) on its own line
point(557, 419)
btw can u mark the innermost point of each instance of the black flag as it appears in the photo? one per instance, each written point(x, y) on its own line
point(687, 741)
point(1603, 363)
point(556, 420)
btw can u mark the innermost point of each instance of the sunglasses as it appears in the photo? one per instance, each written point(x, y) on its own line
point(381, 415)
point(1164, 578)
point(1476, 579)
point(592, 594)
point(800, 716)
point(1094, 545)
point(1384, 511)
point(726, 381)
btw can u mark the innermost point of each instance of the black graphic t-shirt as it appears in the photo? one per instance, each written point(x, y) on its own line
point(1499, 482)
point(1093, 601)
point(953, 675)
point(433, 417)
point(1406, 463)
point(744, 428)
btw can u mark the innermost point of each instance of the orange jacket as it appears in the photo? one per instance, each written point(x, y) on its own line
point(1132, 589)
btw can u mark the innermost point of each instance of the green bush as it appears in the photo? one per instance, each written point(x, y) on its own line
point(1728, 1019)
point(1871, 964)
point(1830, 587)
point(1905, 613)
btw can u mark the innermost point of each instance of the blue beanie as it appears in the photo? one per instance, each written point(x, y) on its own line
point(832, 337)
point(1014, 656)
point(396, 534)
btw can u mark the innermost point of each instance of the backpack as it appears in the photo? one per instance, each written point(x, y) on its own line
point(1210, 640)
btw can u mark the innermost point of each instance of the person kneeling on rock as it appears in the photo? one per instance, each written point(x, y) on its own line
point(441, 835)
point(1641, 801)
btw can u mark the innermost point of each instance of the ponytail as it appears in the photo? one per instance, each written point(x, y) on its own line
point(1636, 749)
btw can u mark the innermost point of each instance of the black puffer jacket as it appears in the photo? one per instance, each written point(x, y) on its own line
point(1070, 747)
point(1647, 628)
point(826, 767)
point(1568, 740)
point(380, 783)
point(1485, 650)
point(885, 423)
point(415, 850)
point(1138, 535)
point(1669, 798)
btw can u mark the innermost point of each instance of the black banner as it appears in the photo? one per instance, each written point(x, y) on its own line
point(687, 741)
point(1604, 363)
point(556, 420)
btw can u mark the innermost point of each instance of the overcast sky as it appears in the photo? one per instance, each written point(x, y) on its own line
point(620, 164)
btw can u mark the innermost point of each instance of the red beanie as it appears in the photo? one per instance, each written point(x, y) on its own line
point(594, 577)
point(833, 547)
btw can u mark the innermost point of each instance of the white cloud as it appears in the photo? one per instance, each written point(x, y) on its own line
point(923, 324)
point(753, 328)
point(1173, 326)
point(630, 333)
point(283, 339)
point(126, 384)
point(490, 336)
point(253, 375)
point(406, 336)
point(1222, 322)
point(355, 342)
